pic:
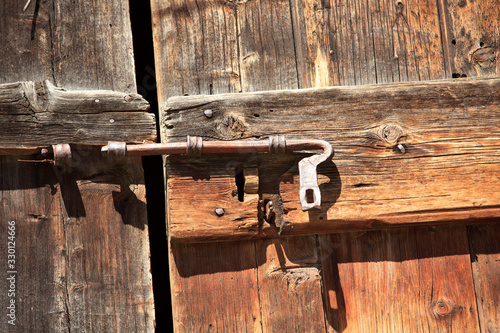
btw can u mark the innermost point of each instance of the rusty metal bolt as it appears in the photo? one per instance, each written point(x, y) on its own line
point(208, 113)
point(219, 211)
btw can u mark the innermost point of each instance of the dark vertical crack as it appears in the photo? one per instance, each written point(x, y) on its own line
point(52, 48)
point(142, 33)
point(299, 80)
point(254, 244)
point(67, 308)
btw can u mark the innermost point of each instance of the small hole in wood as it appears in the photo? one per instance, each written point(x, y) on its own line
point(310, 196)
point(455, 75)
point(271, 110)
point(454, 42)
point(239, 179)
point(170, 126)
point(463, 75)
point(256, 115)
point(481, 44)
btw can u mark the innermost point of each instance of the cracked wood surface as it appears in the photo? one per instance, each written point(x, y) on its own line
point(407, 279)
point(82, 247)
point(53, 115)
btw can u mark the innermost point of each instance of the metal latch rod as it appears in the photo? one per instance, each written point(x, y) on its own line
point(310, 195)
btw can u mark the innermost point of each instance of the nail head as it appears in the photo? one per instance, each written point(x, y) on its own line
point(219, 211)
point(208, 113)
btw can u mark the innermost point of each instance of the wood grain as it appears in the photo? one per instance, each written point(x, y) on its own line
point(474, 37)
point(196, 51)
point(440, 125)
point(366, 42)
point(485, 259)
point(264, 61)
point(82, 245)
point(53, 115)
point(415, 279)
point(334, 42)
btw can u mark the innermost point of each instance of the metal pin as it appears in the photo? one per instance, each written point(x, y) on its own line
point(26, 5)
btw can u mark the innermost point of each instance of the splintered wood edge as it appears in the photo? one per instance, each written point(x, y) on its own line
point(38, 114)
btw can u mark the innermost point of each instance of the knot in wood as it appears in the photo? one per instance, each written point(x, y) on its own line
point(391, 133)
point(442, 308)
point(484, 57)
point(231, 126)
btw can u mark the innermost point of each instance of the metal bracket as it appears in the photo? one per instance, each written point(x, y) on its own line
point(310, 195)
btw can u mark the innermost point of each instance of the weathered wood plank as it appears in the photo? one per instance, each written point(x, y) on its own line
point(366, 42)
point(264, 61)
point(401, 137)
point(202, 53)
point(53, 115)
point(288, 272)
point(267, 55)
point(214, 286)
point(485, 257)
point(397, 280)
point(82, 248)
point(474, 37)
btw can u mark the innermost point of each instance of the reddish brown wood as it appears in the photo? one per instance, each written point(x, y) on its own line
point(394, 144)
point(416, 279)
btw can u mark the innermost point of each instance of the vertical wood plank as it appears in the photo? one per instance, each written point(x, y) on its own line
point(400, 280)
point(288, 268)
point(485, 257)
point(474, 37)
point(214, 286)
point(342, 42)
point(83, 248)
point(266, 44)
point(202, 52)
point(266, 60)
point(361, 42)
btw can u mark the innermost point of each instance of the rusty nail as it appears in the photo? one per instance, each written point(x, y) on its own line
point(219, 211)
point(128, 98)
point(208, 113)
point(401, 148)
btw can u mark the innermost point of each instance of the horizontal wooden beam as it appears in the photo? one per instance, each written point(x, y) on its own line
point(37, 114)
point(405, 154)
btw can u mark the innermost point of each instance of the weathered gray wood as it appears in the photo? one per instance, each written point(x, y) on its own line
point(53, 115)
point(473, 40)
point(82, 245)
point(394, 146)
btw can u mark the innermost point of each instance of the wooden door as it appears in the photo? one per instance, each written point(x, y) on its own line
point(414, 279)
point(75, 245)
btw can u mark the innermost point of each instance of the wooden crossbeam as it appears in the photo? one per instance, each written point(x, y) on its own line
point(405, 154)
point(36, 114)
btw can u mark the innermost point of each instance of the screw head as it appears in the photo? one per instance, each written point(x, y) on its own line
point(219, 211)
point(208, 113)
